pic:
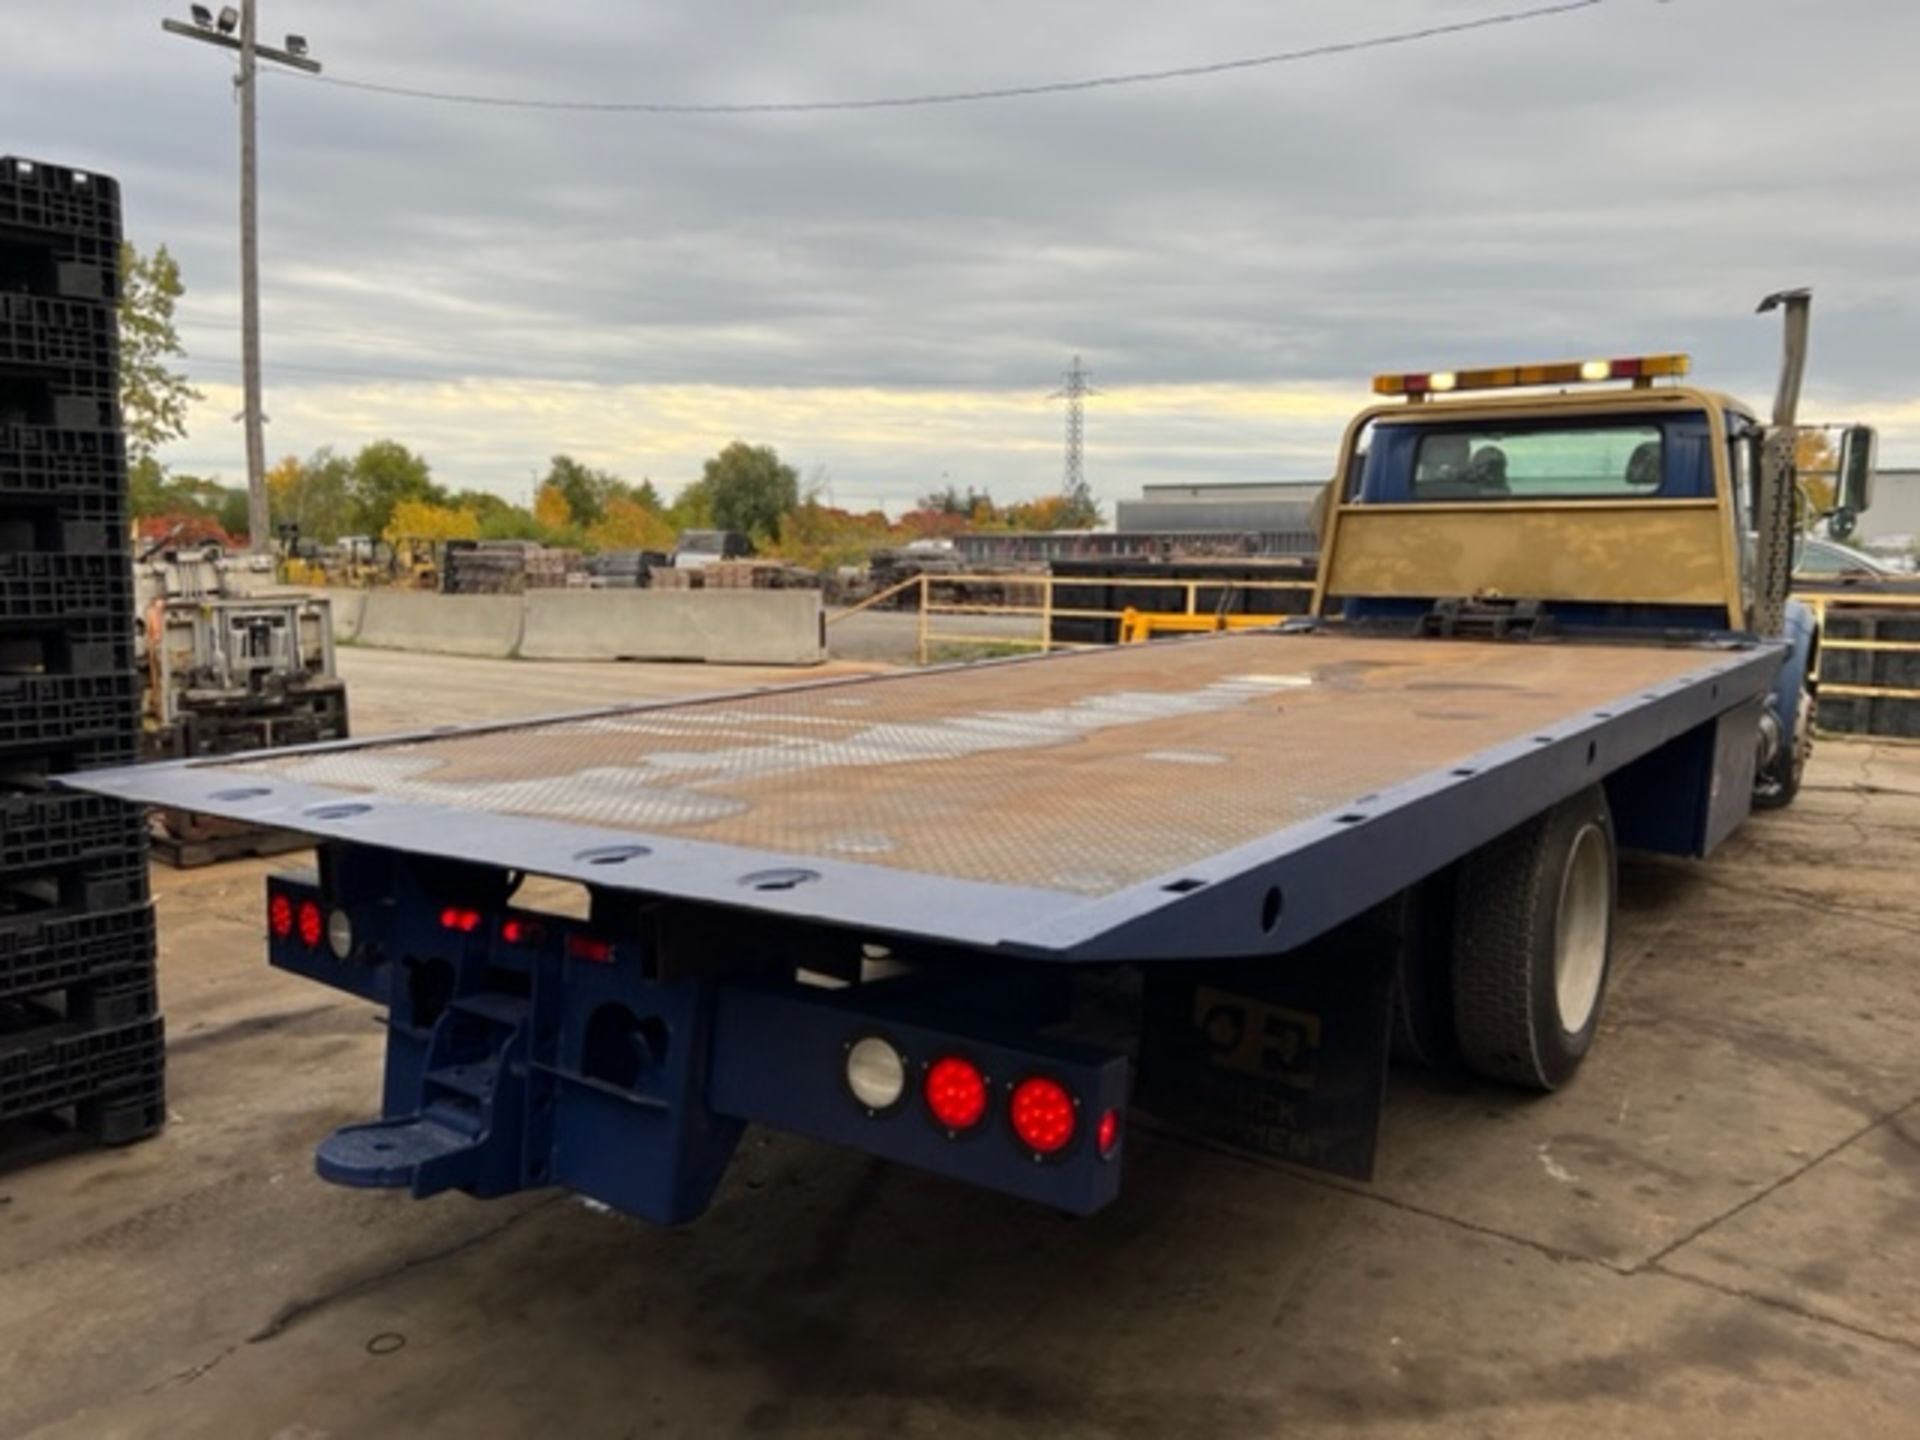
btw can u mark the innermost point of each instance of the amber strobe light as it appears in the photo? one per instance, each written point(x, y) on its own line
point(1640, 369)
point(1042, 1114)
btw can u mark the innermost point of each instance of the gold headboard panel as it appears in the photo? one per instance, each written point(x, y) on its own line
point(1652, 552)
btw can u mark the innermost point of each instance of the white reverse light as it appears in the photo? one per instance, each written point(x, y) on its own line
point(876, 1073)
point(339, 934)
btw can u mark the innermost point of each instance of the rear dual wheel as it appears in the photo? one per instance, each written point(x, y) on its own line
point(1532, 942)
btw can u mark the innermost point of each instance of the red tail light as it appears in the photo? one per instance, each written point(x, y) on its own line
point(516, 931)
point(956, 1093)
point(464, 921)
point(1042, 1115)
point(586, 947)
point(280, 916)
point(312, 924)
point(1107, 1134)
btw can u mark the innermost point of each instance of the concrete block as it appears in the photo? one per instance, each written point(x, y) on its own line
point(487, 625)
point(740, 627)
point(348, 606)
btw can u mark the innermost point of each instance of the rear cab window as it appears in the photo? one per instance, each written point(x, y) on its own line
point(1574, 464)
point(1609, 457)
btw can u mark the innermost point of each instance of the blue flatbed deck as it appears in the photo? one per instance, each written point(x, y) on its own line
point(1095, 806)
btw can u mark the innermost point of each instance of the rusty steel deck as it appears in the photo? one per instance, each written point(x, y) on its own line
point(1065, 780)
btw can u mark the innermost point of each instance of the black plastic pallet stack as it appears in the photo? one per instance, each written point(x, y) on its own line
point(1894, 715)
point(81, 1041)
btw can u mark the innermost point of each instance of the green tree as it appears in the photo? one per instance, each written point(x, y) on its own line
point(499, 519)
point(692, 508)
point(950, 501)
point(1080, 510)
point(316, 494)
point(156, 493)
point(154, 396)
point(752, 489)
point(232, 512)
point(382, 475)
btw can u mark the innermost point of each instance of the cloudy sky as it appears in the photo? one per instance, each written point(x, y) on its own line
point(888, 296)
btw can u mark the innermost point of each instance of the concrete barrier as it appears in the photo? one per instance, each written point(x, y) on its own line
point(348, 607)
point(487, 625)
point(740, 627)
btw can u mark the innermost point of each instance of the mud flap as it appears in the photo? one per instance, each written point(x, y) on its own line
point(1283, 1057)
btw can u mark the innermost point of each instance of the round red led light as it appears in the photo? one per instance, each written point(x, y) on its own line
point(1042, 1115)
point(280, 916)
point(956, 1093)
point(1107, 1134)
point(312, 926)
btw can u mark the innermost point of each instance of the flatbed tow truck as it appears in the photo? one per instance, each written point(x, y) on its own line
point(974, 919)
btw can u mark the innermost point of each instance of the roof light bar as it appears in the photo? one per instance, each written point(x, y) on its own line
point(1641, 369)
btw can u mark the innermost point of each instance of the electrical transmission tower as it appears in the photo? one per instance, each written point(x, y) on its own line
point(1073, 483)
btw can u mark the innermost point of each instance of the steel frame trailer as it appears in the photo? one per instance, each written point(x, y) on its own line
point(963, 918)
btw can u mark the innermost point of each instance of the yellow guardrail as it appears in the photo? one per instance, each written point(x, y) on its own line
point(1035, 598)
point(1828, 604)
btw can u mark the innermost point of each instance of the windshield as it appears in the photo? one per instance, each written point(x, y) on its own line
point(1593, 461)
point(1824, 557)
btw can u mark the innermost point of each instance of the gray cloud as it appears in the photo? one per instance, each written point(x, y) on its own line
point(1632, 177)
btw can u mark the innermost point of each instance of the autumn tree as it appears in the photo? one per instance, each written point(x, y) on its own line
point(1816, 466)
point(626, 524)
point(154, 395)
point(424, 520)
point(156, 493)
point(550, 508)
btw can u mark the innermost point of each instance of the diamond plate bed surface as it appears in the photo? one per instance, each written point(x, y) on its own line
point(1083, 773)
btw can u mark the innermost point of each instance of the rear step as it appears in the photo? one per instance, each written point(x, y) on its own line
point(466, 1134)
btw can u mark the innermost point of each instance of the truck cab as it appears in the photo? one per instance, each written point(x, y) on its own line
point(1553, 499)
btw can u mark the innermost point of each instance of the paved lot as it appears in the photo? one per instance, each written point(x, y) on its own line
point(396, 690)
point(1716, 1231)
point(893, 636)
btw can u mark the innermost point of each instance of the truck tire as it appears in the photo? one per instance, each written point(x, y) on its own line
point(1423, 1030)
point(1533, 943)
point(1777, 785)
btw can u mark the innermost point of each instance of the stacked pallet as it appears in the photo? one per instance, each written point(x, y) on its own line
point(1870, 669)
point(81, 1041)
point(736, 575)
point(508, 567)
point(549, 569)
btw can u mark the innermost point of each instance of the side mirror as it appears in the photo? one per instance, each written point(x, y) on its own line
point(1853, 485)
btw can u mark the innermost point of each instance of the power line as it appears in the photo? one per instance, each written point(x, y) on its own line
point(967, 97)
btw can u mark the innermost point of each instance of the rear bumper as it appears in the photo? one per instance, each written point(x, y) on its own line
point(525, 1051)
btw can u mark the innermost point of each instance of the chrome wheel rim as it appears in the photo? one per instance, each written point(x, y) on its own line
point(1580, 930)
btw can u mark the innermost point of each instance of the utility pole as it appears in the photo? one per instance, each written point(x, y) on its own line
point(1073, 482)
point(219, 31)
